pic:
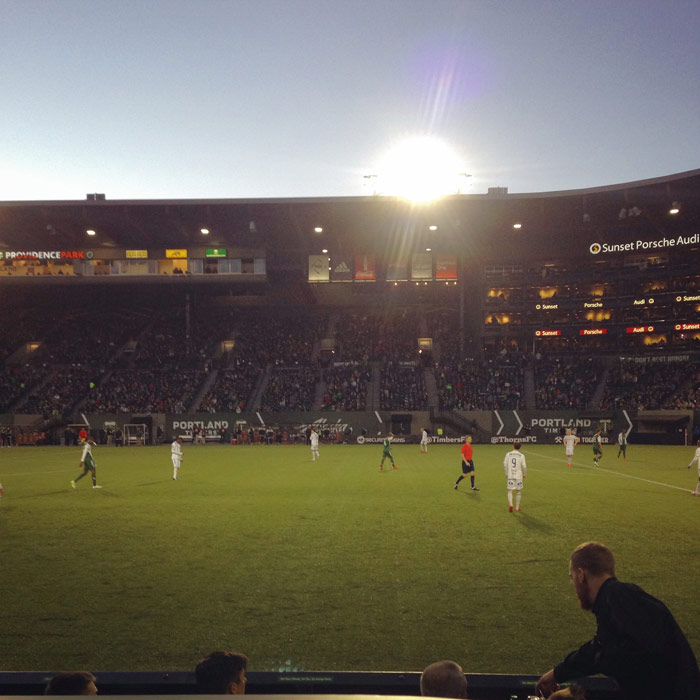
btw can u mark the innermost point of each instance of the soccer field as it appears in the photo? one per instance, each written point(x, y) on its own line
point(333, 564)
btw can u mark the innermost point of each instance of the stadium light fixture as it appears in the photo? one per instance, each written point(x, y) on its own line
point(204, 231)
point(517, 225)
point(432, 228)
point(325, 250)
point(428, 250)
point(90, 232)
point(318, 229)
point(675, 208)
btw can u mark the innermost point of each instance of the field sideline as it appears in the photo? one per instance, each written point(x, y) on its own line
point(333, 564)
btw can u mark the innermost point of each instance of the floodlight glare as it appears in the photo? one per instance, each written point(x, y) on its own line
point(433, 227)
point(90, 232)
point(205, 231)
point(419, 169)
point(318, 229)
point(517, 226)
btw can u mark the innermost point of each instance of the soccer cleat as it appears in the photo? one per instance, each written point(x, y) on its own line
point(381, 469)
point(456, 487)
point(695, 493)
point(395, 466)
point(72, 483)
point(176, 478)
point(517, 510)
point(510, 509)
point(96, 487)
point(474, 488)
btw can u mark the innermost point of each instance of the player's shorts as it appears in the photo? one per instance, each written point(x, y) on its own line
point(89, 465)
point(386, 453)
point(515, 484)
point(467, 466)
point(596, 449)
point(177, 460)
point(569, 452)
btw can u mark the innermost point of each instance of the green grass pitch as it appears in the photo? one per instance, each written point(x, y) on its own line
point(333, 564)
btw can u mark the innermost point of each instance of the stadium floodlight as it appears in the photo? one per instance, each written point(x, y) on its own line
point(204, 231)
point(420, 169)
point(432, 228)
point(318, 229)
point(675, 208)
point(90, 232)
point(517, 225)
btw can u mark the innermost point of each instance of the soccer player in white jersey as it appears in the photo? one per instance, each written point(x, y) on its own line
point(313, 439)
point(176, 456)
point(570, 441)
point(516, 470)
point(696, 459)
point(424, 441)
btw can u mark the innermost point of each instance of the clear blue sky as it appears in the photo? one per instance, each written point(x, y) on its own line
point(289, 98)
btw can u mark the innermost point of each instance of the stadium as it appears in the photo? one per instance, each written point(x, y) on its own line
point(240, 325)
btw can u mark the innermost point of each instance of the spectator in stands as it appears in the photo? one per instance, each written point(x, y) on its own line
point(443, 679)
point(638, 642)
point(75, 683)
point(222, 673)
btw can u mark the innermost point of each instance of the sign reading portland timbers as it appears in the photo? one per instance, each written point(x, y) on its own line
point(547, 427)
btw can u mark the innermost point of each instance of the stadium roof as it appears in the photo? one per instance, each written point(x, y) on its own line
point(287, 225)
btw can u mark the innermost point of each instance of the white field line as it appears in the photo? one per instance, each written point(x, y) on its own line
point(610, 471)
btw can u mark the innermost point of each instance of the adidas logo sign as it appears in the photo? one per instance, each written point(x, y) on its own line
point(342, 267)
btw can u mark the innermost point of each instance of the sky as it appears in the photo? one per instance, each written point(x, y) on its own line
point(172, 99)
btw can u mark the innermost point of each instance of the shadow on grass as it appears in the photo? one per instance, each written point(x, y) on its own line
point(532, 523)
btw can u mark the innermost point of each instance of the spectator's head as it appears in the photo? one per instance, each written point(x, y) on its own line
point(468, 439)
point(443, 679)
point(591, 564)
point(75, 683)
point(222, 673)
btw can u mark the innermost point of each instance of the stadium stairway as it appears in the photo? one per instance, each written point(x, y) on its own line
point(600, 389)
point(203, 389)
point(431, 387)
point(373, 387)
point(529, 386)
point(259, 390)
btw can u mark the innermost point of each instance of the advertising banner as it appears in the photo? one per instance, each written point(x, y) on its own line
point(421, 267)
point(445, 266)
point(175, 253)
point(318, 268)
point(365, 268)
point(397, 270)
point(341, 269)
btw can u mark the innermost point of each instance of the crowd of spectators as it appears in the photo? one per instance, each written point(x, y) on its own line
point(565, 383)
point(290, 389)
point(402, 387)
point(651, 385)
point(232, 389)
point(61, 390)
point(144, 391)
point(493, 383)
point(346, 387)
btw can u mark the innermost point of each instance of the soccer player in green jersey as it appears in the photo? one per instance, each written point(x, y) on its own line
point(597, 448)
point(387, 451)
point(87, 464)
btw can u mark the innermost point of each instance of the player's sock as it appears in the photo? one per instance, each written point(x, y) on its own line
point(94, 479)
point(458, 480)
point(510, 499)
point(472, 480)
point(78, 478)
point(517, 501)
